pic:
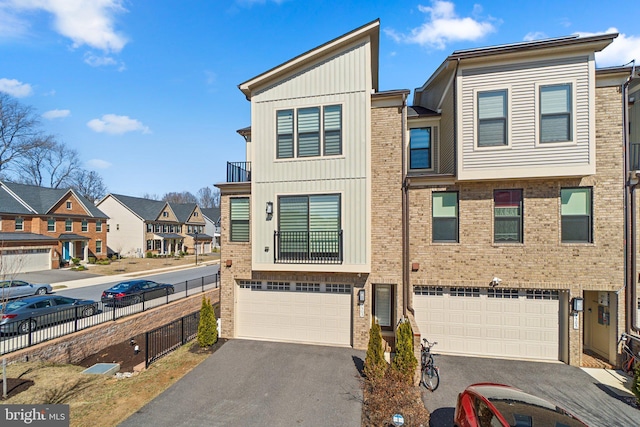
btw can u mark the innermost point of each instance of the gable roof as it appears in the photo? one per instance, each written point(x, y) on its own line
point(183, 211)
point(371, 30)
point(212, 213)
point(33, 200)
point(149, 210)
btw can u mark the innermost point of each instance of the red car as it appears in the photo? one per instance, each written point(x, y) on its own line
point(499, 405)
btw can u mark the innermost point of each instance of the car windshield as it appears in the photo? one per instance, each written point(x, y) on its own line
point(528, 414)
point(14, 305)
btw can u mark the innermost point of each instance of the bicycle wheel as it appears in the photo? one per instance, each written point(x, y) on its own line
point(431, 377)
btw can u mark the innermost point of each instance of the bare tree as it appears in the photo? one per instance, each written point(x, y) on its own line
point(88, 184)
point(208, 197)
point(151, 196)
point(51, 164)
point(184, 197)
point(19, 130)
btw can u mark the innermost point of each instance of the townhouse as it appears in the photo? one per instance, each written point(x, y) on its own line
point(44, 228)
point(489, 208)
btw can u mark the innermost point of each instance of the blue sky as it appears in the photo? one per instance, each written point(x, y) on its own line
point(146, 91)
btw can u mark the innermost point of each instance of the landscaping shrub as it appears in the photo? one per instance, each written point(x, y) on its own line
point(208, 326)
point(374, 364)
point(148, 255)
point(76, 261)
point(103, 262)
point(635, 385)
point(92, 260)
point(405, 361)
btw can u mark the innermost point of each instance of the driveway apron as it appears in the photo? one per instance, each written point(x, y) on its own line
point(256, 383)
point(567, 386)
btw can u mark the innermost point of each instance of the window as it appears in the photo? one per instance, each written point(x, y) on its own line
point(316, 131)
point(507, 216)
point(68, 205)
point(98, 225)
point(555, 113)
point(149, 245)
point(19, 224)
point(165, 214)
point(108, 228)
point(420, 148)
point(309, 226)
point(85, 225)
point(576, 215)
point(492, 118)
point(383, 305)
point(51, 224)
point(98, 246)
point(445, 217)
point(338, 288)
point(240, 219)
point(68, 225)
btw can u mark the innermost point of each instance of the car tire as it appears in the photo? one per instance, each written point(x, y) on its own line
point(41, 291)
point(171, 290)
point(88, 311)
point(27, 326)
point(136, 299)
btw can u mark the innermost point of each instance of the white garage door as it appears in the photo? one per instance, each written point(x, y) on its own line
point(497, 322)
point(312, 313)
point(25, 260)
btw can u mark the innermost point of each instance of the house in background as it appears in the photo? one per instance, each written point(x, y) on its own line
point(491, 212)
point(43, 228)
point(212, 225)
point(138, 226)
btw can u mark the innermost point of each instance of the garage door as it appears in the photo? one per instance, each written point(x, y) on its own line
point(25, 260)
point(497, 322)
point(312, 313)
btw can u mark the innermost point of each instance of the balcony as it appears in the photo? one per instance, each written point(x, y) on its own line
point(634, 156)
point(308, 247)
point(238, 171)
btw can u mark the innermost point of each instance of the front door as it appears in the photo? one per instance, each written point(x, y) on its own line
point(66, 255)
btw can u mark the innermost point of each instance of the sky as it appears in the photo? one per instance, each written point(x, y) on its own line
point(147, 90)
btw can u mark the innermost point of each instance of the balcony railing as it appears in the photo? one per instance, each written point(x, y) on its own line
point(634, 156)
point(238, 171)
point(308, 247)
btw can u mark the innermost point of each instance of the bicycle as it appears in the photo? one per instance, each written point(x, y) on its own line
point(430, 373)
point(629, 359)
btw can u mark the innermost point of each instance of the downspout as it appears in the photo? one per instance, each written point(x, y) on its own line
point(406, 306)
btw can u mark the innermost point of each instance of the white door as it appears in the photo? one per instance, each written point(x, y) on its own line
point(276, 311)
point(27, 260)
point(498, 322)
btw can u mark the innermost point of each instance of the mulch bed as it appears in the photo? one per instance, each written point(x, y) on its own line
point(15, 386)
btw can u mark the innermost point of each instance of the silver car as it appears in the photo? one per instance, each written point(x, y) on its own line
point(10, 289)
point(26, 314)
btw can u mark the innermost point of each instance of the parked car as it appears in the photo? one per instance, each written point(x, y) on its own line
point(26, 314)
point(10, 289)
point(135, 291)
point(499, 405)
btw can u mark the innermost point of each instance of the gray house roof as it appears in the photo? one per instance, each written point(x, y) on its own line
point(34, 200)
point(26, 237)
point(149, 210)
point(183, 211)
point(212, 213)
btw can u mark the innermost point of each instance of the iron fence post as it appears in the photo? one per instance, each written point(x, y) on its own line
point(186, 288)
point(114, 310)
point(146, 350)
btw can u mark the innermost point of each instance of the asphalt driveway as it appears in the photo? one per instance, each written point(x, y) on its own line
point(567, 386)
point(255, 383)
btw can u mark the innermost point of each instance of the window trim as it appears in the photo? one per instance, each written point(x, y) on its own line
point(49, 228)
point(538, 110)
point(231, 220)
point(68, 226)
point(457, 217)
point(521, 218)
point(429, 149)
point(476, 120)
point(21, 221)
point(392, 303)
point(98, 226)
point(99, 246)
point(591, 239)
point(69, 205)
point(84, 226)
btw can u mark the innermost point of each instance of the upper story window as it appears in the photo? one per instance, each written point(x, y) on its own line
point(165, 214)
point(316, 131)
point(98, 226)
point(555, 113)
point(240, 219)
point(51, 224)
point(577, 220)
point(420, 148)
point(98, 246)
point(19, 224)
point(68, 205)
point(492, 118)
point(85, 225)
point(149, 228)
point(445, 217)
point(68, 225)
point(507, 216)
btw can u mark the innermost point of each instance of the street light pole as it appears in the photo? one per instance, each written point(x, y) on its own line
point(195, 246)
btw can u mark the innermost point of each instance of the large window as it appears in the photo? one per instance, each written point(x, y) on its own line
point(445, 217)
point(555, 113)
point(98, 246)
point(383, 306)
point(68, 225)
point(576, 215)
point(240, 219)
point(507, 216)
point(420, 148)
point(98, 226)
point(492, 118)
point(309, 227)
point(51, 224)
point(316, 131)
point(85, 225)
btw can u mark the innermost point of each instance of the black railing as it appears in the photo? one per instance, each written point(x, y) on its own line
point(307, 247)
point(167, 338)
point(25, 332)
point(238, 171)
point(634, 156)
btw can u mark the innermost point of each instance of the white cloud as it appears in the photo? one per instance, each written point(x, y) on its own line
point(103, 61)
point(210, 77)
point(444, 26)
point(117, 125)
point(56, 114)
point(535, 35)
point(11, 25)
point(85, 22)
point(15, 88)
point(621, 51)
point(98, 164)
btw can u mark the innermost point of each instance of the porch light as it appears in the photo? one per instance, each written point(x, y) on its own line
point(269, 208)
point(577, 305)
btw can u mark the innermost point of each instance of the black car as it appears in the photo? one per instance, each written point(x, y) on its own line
point(135, 291)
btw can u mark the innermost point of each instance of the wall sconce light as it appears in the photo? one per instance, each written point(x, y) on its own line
point(415, 266)
point(229, 263)
point(269, 208)
point(577, 305)
point(361, 296)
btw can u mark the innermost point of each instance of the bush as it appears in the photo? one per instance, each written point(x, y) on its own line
point(79, 268)
point(208, 326)
point(75, 261)
point(635, 385)
point(92, 260)
point(148, 255)
point(103, 262)
point(374, 364)
point(405, 361)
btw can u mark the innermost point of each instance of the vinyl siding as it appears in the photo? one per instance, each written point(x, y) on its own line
point(446, 136)
point(130, 237)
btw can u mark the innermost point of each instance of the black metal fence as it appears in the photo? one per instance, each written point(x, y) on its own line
point(166, 338)
point(25, 331)
point(238, 171)
point(307, 247)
